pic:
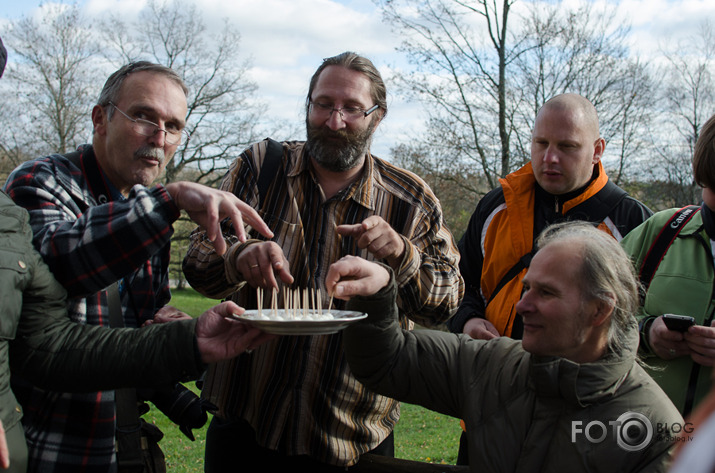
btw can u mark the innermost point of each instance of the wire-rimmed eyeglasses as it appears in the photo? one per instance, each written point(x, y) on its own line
point(346, 113)
point(146, 128)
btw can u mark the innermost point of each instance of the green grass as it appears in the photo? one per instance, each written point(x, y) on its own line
point(191, 302)
point(420, 435)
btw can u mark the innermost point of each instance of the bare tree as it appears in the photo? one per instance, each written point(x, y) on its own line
point(483, 71)
point(223, 116)
point(62, 63)
point(49, 84)
point(582, 50)
point(689, 100)
point(461, 74)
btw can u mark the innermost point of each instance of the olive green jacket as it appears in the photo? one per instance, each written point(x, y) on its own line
point(522, 414)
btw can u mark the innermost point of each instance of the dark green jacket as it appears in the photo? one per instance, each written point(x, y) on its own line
point(522, 414)
point(38, 340)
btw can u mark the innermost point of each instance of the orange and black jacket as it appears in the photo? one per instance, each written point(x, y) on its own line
point(497, 247)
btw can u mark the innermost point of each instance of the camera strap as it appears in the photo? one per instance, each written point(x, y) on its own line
point(129, 450)
point(662, 242)
point(269, 168)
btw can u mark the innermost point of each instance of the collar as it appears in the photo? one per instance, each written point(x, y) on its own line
point(587, 383)
point(100, 186)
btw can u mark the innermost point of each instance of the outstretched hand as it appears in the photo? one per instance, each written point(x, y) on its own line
point(352, 276)
point(261, 263)
point(220, 337)
point(380, 239)
point(208, 207)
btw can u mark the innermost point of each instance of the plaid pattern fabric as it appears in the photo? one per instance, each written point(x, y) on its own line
point(89, 245)
point(297, 392)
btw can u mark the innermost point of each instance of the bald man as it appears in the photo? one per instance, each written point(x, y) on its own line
point(565, 180)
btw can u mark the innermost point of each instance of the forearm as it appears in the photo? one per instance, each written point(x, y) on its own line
point(371, 345)
point(404, 365)
point(120, 235)
point(65, 356)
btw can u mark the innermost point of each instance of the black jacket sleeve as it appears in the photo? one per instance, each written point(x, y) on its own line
point(471, 261)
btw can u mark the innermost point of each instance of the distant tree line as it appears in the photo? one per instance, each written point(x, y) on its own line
point(481, 69)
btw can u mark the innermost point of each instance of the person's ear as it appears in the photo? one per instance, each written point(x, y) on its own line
point(99, 119)
point(603, 309)
point(599, 147)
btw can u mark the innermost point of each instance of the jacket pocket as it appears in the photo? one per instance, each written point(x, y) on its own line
point(14, 275)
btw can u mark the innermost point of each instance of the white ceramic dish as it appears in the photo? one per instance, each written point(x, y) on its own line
point(281, 323)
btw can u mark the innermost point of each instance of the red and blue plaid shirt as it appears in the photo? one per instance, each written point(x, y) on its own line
point(89, 241)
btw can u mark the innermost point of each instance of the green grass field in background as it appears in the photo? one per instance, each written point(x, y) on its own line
point(420, 435)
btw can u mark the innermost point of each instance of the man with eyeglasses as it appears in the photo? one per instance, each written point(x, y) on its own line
point(294, 404)
point(105, 235)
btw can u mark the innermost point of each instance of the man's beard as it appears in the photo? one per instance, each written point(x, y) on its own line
point(339, 150)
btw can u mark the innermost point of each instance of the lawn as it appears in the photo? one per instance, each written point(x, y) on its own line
point(421, 435)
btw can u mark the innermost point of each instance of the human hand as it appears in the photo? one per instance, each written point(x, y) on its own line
point(352, 276)
point(260, 263)
point(380, 239)
point(481, 329)
point(208, 207)
point(701, 342)
point(4, 451)
point(167, 314)
point(221, 337)
point(665, 343)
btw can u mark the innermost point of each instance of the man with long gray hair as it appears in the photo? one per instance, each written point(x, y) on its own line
point(570, 396)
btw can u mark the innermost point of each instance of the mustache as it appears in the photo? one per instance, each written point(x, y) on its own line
point(319, 132)
point(150, 152)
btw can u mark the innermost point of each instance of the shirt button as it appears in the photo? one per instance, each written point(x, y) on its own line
point(22, 264)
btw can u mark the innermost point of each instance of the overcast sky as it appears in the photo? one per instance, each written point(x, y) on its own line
point(286, 40)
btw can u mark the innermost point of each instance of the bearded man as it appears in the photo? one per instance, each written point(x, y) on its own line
point(295, 402)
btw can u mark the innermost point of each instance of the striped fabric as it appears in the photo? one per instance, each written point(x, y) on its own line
point(297, 392)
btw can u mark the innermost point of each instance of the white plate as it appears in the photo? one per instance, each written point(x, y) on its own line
point(299, 326)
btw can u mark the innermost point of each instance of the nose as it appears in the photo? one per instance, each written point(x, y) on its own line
point(158, 139)
point(524, 303)
point(335, 120)
point(551, 154)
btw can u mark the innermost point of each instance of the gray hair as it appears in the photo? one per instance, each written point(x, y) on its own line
point(113, 87)
point(354, 62)
point(607, 274)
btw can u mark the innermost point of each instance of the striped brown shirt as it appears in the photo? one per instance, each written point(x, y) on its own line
point(297, 391)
